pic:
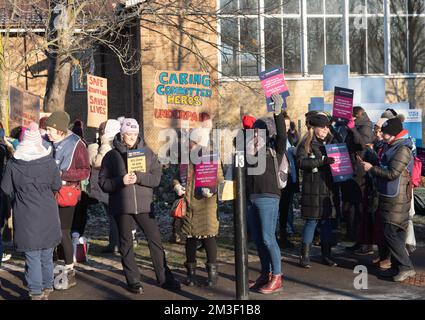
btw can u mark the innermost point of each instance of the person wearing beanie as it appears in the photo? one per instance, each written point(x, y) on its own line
point(32, 176)
point(72, 159)
point(131, 200)
point(320, 195)
point(200, 223)
point(97, 151)
point(389, 114)
point(393, 184)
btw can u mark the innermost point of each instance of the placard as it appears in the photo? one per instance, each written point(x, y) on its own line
point(136, 161)
point(343, 103)
point(97, 100)
point(273, 81)
point(24, 107)
point(342, 169)
point(206, 173)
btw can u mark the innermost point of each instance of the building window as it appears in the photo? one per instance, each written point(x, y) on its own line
point(79, 72)
point(258, 34)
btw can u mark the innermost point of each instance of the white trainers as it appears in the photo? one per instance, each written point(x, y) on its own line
point(6, 257)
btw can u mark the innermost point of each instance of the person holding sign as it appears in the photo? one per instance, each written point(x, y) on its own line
point(198, 183)
point(320, 197)
point(130, 190)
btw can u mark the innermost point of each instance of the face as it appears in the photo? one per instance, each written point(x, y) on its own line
point(386, 137)
point(321, 132)
point(378, 133)
point(130, 139)
point(55, 135)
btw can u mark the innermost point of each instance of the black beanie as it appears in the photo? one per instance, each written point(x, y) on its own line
point(392, 127)
point(318, 120)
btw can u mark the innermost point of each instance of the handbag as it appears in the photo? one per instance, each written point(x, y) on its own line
point(68, 196)
point(178, 209)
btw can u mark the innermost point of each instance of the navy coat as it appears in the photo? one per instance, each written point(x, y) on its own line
point(31, 185)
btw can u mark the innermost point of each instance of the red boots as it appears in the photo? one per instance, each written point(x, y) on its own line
point(262, 280)
point(273, 286)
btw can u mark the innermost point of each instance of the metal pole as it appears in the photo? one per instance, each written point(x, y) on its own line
point(241, 238)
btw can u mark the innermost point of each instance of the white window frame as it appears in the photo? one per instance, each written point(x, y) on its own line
point(303, 15)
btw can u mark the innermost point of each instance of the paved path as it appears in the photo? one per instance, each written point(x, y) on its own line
point(97, 282)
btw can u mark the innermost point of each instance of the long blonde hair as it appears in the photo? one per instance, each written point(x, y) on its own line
point(307, 139)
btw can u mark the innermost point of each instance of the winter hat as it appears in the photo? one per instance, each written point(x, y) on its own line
point(248, 121)
point(380, 122)
point(112, 127)
point(129, 125)
point(59, 120)
point(392, 127)
point(389, 114)
point(318, 120)
point(77, 128)
point(31, 146)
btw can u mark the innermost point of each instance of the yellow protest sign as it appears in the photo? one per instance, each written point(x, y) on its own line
point(136, 161)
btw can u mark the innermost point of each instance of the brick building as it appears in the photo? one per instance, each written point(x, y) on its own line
point(379, 38)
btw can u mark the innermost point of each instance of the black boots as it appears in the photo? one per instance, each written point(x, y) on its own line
point(212, 274)
point(326, 255)
point(191, 273)
point(305, 256)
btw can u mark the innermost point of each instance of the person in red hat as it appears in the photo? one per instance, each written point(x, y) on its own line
point(248, 121)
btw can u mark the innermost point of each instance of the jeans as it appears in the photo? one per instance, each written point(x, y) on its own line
point(39, 270)
point(262, 218)
point(325, 230)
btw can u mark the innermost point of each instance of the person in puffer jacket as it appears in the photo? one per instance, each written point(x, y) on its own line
point(395, 191)
point(131, 199)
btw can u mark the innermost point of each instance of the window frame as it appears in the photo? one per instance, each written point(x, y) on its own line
point(303, 16)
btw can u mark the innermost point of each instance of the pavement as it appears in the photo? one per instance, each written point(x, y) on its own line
point(100, 281)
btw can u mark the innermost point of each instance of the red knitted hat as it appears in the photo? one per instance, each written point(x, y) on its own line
point(248, 121)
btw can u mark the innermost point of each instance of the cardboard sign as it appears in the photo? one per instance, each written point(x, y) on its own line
point(206, 173)
point(24, 107)
point(273, 81)
point(97, 100)
point(136, 161)
point(182, 99)
point(342, 169)
point(226, 191)
point(343, 103)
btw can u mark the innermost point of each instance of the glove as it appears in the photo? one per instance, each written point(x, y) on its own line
point(328, 160)
point(206, 192)
point(351, 124)
point(278, 103)
point(179, 189)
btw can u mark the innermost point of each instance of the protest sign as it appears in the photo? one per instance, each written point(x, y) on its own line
point(183, 170)
point(343, 103)
point(273, 81)
point(24, 107)
point(421, 156)
point(182, 97)
point(206, 172)
point(97, 100)
point(342, 169)
point(136, 161)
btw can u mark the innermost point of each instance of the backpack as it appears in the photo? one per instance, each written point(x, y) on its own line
point(416, 172)
point(282, 170)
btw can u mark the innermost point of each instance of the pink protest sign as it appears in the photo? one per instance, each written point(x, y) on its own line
point(273, 81)
point(206, 173)
point(343, 103)
point(341, 169)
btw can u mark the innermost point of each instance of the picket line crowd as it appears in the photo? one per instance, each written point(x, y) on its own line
point(51, 175)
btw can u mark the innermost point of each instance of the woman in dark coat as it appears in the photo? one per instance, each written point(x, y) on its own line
point(319, 201)
point(31, 178)
point(131, 198)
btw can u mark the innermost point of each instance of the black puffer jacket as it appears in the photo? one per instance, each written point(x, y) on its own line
point(395, 210)
point(319, 198)
point(131, 199)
